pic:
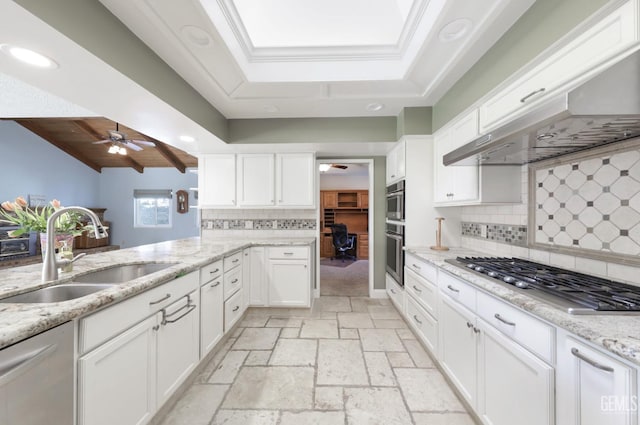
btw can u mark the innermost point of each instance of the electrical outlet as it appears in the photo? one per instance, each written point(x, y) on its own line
point(248, 224)
point(483, 231)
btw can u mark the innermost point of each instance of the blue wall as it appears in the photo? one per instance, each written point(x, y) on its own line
point(31, 165)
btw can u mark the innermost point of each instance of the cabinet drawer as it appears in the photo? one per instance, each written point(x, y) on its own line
point(424, 292)
point(425, 325)
point(421, 267)
point(232, 261)
point(232, 282)
point(105, 324)
point(395, 292)
point(523, 328)
point(287, 252)
point(458, 290)
point(210, 272)
point(232, 310)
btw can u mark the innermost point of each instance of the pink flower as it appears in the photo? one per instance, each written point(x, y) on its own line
point(55, 204)
point(8, 206)
point(21, 201)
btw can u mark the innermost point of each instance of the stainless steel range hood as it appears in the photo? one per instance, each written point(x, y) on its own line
point(603, 110)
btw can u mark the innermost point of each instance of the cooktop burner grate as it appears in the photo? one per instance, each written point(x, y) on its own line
point(587, 291)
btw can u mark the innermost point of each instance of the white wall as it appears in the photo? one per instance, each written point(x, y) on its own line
point(340, 181)
point(116, 194)
point(31, 165)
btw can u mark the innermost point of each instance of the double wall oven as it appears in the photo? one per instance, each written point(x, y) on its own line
point(395, 231)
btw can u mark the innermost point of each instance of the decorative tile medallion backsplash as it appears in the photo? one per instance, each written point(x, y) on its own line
point(590, 204)
point(503, 233)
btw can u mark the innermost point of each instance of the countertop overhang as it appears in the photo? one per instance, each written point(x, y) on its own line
point(21, 321)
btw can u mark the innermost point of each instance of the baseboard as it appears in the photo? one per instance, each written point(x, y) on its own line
point(379, 293)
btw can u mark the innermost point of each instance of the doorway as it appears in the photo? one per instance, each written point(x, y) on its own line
point(345, 194)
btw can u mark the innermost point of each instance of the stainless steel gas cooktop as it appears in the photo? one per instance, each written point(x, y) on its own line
point(575, 292)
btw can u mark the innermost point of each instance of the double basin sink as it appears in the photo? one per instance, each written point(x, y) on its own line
point(87, 284)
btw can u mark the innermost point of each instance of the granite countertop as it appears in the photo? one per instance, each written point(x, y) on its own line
point(619, 334)
point(20, 321)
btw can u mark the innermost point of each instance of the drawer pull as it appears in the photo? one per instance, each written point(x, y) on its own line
point(503, 320)
point(417, 289)
point(214, 271)
point(416, 319)
point(416, 266)
point(533, 93)
point(476, 330)
point(166, 297)
point(213, 285)
point(452, 289)
point(235, 260)
point(593, 363)
point(288, 253)
point(469, 325)
point(234, 281)
point(393, 291)
point(236, 308)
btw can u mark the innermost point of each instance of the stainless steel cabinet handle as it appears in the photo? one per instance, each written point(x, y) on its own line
point(533, 93)
point(288, 253)
point(166, 297)
point(452, 289)
point(416, 266)
point(188, 306)
point(156, 327)
point(214, 271)
point(234, 281)
point(469, 325)
point(393, 291)
point(503, 320)
point(213, 285)
point(592, 362)
point(8, 373)
point(393, 175)
point(236, 308)
point(416, 319)
point(235, 261)
point(476, 330)
point(417, 289)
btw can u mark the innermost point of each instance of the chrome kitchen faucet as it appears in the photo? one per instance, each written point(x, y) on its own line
point(50, 264)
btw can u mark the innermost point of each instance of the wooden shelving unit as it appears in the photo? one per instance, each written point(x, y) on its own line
point(350, 207)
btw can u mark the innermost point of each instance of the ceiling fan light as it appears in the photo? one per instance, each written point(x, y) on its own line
point(324, 167)
point(122, 151)
point(113, 149)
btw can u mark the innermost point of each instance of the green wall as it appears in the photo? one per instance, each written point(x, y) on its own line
point(542, 25)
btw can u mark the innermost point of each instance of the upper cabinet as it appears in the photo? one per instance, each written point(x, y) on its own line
point(569, 66)
point(217, 181)
point(396, 163)
point(257, 180)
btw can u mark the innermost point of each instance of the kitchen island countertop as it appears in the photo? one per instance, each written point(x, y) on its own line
point(616, 333)
point(20, 321)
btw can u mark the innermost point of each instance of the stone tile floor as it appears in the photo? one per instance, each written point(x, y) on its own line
point(349, 360)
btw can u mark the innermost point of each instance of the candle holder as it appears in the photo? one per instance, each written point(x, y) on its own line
point(438, 246)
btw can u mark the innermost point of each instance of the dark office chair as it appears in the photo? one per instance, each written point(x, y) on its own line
point(342, 241)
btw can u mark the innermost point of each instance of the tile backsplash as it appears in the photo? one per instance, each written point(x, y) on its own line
point(258, 222)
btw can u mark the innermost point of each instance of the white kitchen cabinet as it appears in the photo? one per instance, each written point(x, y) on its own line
point(117, 381)
point(178, 344)
point(289, 277)
point(593, 388)
point(574, 63)
point(256, 174)
point(217, 180)
point(458, 348)
point(423, 323)
point(295, 180)
point(211, 313)
point(233, 308)
point(257, 281)
point(246, 277)
point(395, 292)
point(396, 163)
point(512, 382)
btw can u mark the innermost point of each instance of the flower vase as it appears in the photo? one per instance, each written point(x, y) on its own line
point(62, 240)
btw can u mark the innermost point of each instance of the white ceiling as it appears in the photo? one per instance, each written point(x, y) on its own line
point(309, 58)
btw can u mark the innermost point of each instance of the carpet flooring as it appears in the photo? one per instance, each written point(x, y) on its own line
point(349, 281)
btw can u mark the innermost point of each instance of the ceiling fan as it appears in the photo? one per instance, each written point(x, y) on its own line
point(326, 167)
point(119, 142)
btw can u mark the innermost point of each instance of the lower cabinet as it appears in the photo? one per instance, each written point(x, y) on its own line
point(211, 315)
point(395, 292)
point(257, 281)
point(178, 344)
point(289, 283)
point(233, 310)
point(594, 388)
point(117, 380)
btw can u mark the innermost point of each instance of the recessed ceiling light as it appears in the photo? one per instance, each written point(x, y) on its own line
point(324, 167)
point(188, 139)
point(373, 107)
point(271, 108)
point(455, 30)
point(196, 35)
point(28, 56)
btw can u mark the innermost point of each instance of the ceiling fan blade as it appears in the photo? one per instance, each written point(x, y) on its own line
point(99, 142)
point(340, 166)
point(132, 146)
point(142, 142)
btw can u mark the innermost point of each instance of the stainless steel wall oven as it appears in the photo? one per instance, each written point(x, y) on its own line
point(395, 252)
point(395, 201)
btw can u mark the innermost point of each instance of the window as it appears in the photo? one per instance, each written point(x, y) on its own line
point(152, 208)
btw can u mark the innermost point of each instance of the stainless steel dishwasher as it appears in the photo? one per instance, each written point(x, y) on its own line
point(36, 379)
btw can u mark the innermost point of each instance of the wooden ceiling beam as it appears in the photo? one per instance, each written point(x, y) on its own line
point(87, 129)
point(132, 163)
point(168, 155)
point(33, 127)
